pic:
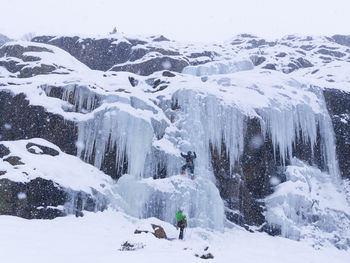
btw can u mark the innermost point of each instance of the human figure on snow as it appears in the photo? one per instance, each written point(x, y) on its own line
point(181, 222)
point(189, 162)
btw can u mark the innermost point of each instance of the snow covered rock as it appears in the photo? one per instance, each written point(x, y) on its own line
point(27, 59)
point(121, 53)
point(342, 40)
point(45, 183)
point(3, 39)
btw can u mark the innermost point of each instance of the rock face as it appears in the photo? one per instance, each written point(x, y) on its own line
point(31, 200)
point(19, 120)
point(43, 199)
point(3, 151)
point(17, 51)
point(338, 103)
point(120, 54)
point(245, 188)
point(36, 197)
point(3, 39)
point(342, 40)
point(153, 65)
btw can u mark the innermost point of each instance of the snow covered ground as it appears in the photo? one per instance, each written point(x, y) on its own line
point(97, 237)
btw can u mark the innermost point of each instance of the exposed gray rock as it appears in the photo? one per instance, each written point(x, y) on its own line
point(14, 160)
point(44, 149)
point(168, 74)
point(332, 53)
point(15, 66)
point(342, 40)
point(4, 39)
point(270, 66)
point(244, 188)
point(124, 54)
point(148, 67)
point(28, 121)
point(160, 39)
point(44, 199)
point(257, 60)
point(338, 104)
point(4, 151)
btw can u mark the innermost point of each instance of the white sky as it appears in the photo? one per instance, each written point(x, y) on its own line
point(193, 20)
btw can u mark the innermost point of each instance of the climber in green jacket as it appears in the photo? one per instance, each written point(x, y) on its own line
point(181, 223)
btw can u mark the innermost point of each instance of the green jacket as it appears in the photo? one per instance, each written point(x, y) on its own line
point(180, 216)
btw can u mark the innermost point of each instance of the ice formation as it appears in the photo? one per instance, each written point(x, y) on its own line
point(115, 127)
point(308, 204)
point(287, 126)
point(201, 119)
point(204, 120)
point(148, 130)
point(81, 97)
point(217, 67)
point(199, 199)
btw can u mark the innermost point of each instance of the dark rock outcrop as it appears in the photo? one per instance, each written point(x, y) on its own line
point(107, 53)
point(99, 54)
point(44, 149)
point(342, 40)
point(338, 104)
point(14, 66)
point(148, 67)
point(244, 188)
point(4, 151)
point(14, 160)
point(159, 231)
point(19, 120)
point(44, 199)
point(332, 53)
point(4, 39)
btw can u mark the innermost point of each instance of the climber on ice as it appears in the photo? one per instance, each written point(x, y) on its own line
point(181, 223)
point(189, 162)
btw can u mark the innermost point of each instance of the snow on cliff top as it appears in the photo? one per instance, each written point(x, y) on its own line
point(66, 170)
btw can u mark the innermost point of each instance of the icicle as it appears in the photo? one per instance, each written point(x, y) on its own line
point(132, 137)
point(206, 120)
point(83, 99)
point(284, 124)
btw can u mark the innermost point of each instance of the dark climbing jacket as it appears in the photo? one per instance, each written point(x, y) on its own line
point(189, 158)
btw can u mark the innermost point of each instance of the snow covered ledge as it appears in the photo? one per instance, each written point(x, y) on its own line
point(40, 181)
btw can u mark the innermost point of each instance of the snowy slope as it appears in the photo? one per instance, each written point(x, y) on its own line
point(99, 238)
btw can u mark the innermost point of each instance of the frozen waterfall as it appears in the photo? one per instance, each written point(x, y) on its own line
point(114, 127)
point(198, 120)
